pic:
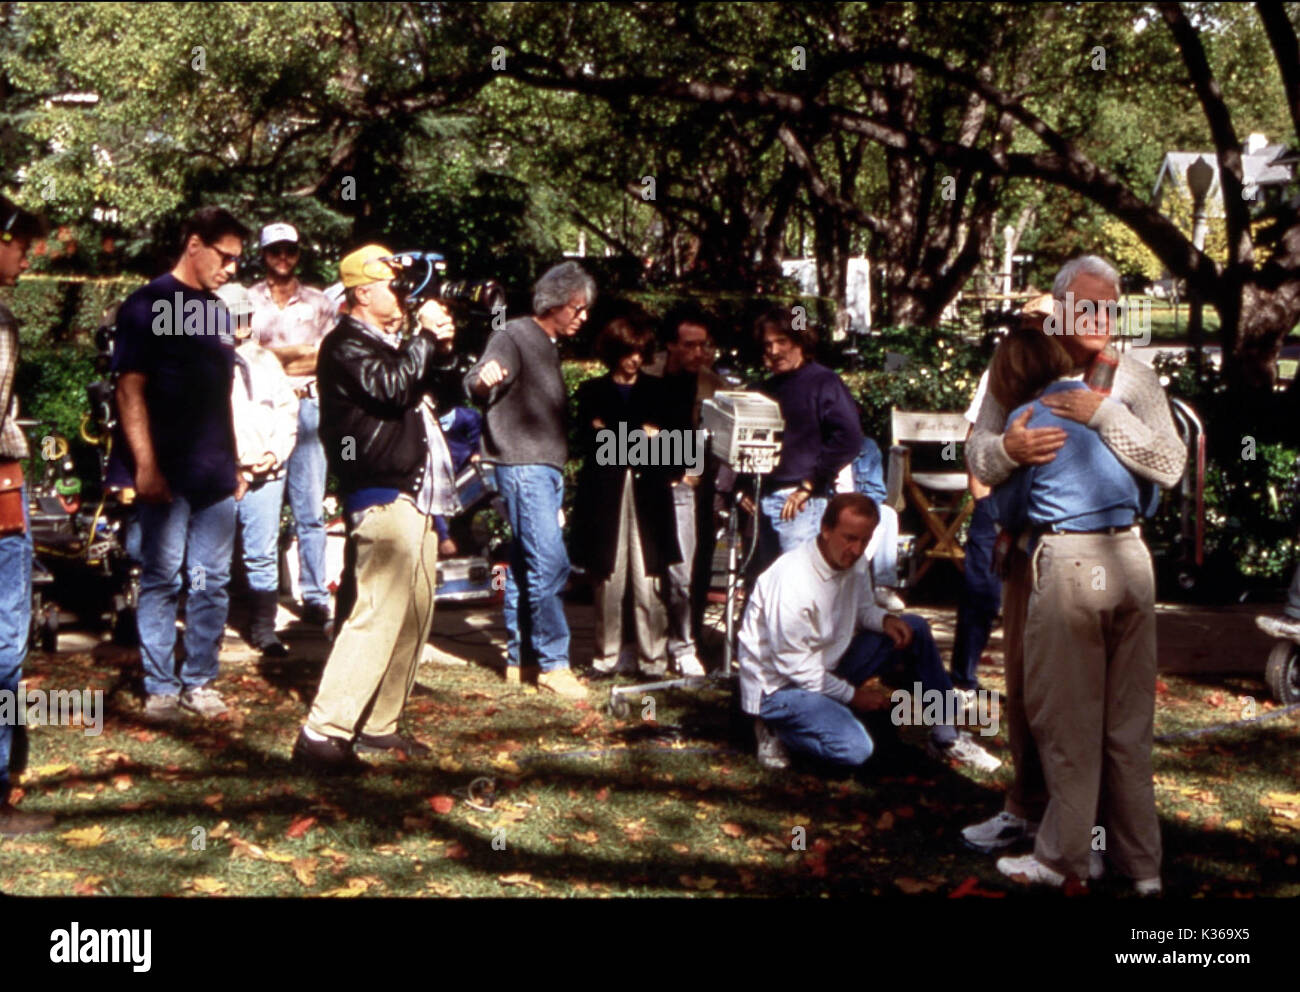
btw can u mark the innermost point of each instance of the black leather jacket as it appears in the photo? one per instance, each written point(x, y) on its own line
point(370, 393)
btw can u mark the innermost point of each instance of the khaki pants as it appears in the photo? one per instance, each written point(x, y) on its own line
point(1027, 797)
point(372, 664)
point(1090, 674)
point(648, 606)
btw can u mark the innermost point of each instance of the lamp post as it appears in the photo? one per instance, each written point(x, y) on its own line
point(1200, 174)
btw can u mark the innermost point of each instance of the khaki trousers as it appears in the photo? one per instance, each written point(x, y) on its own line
point(648, 605)
point(1027, 797)
point(1090, 677)
point(372, 664)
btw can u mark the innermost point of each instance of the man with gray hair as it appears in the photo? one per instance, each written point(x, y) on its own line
point(1133, 419)
point(525, 438)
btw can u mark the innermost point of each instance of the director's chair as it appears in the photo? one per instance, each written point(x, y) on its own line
point(937, 492)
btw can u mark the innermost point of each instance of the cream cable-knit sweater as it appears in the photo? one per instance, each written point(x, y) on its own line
point(1134, 421)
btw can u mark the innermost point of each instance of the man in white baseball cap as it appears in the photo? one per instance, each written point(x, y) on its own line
point(291, 320)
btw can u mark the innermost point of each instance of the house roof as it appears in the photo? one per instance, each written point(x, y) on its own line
point(1270, 165)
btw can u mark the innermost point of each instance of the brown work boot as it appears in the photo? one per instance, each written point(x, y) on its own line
point(562, 682)
point(15, 824)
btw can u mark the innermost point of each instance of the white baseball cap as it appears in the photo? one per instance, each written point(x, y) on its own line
point(274, 234)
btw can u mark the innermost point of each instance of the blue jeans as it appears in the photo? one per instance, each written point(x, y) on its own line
point(814, 724)
point(777, 536)
point(258, 518)
point(202, 538)
point(539, 566)
point(981, 597)
point(307, 500)
point(15, 627)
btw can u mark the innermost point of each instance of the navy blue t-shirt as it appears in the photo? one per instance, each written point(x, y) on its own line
point(179, 338)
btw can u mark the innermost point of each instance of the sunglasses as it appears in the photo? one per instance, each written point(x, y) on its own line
point(287, 250)
point(227, 259)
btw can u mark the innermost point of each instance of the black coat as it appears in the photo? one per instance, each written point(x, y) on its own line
point(594, 527)
point(370, 392)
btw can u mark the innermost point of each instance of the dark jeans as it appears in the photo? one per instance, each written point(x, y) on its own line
point(981, 597)
point(823, 728)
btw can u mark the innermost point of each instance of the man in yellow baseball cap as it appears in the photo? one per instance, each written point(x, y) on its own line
point(383, 442)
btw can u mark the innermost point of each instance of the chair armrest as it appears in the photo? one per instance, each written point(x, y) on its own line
point(900, 466)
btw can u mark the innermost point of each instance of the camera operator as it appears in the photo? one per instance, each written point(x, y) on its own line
point(16, 235)
point(387, 450)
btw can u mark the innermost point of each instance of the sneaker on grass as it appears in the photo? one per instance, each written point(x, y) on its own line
point(1028, 868)
point(998, 832)
point(205, 701)
point(771, 752)
point(162, 709)
point(964, 751)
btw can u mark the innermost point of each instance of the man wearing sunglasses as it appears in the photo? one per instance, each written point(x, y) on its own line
point(291, 320)
point(174, 360)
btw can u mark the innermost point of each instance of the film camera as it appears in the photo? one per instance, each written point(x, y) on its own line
point(420, 277)
point(745, 430)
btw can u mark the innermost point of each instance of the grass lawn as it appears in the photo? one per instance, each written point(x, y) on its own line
point(582, 803)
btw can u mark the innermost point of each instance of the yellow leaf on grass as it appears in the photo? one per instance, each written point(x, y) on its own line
point(1232, 825)
point(449, 764)
point(46, 771)
point(353, 888)
point(590, 837)
point(520, 878)
point(85, 837)
point(733, 829)
point(207, 886)
point(168, 843)
point(304, 870)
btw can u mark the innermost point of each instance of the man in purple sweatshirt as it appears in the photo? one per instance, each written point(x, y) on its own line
point(822, 435)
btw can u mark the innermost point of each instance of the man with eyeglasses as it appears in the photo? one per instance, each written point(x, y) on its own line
point(174, 360)
point(688, 382)
point(291, 320)
point(525, 437)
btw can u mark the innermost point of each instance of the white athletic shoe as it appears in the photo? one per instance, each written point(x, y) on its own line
point(1028, 868)
point(771, 752)
point(1148, 886)
point(965, 751)
point(690, 667)
point(998, 832)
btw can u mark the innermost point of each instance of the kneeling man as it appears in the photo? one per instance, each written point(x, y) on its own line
point(813, 634)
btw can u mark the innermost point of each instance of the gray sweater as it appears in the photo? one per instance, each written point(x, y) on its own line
point(527, 411)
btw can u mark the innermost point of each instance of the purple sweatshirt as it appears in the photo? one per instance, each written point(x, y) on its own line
point(822, 429)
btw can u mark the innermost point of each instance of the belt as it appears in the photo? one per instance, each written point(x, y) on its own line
point(307, 391)
point(1045, 531)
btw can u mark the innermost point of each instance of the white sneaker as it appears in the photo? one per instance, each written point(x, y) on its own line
point(204, 701)
point(1028, 868)
point(889, 599)
point(1148, 886)
point(690, 667)
point(1284, 627)
point(998, 832)
point(771, 752)
point(965, 751)
point(625, 664)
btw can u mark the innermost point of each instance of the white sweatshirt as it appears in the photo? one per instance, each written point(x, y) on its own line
point(265, 409)
point(799, 621)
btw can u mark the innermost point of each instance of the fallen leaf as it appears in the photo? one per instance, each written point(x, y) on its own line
point(590, 837)
point(442, 804)
point(704, 883)
point(207, 886)
point(354, 887)
point(220, 830)
point(733, 830)
point(167, 843)
point(85, 837)
point(456, 851)
point(602, 794)
point(886, 821)
point(970, 887)
point(88, 886)
point(122, 782)
point(298, 828)
point(304, 870)
point(521, 878)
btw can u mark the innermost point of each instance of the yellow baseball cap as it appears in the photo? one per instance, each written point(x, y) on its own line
point(363, 266)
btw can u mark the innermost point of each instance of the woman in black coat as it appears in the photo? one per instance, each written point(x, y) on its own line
point(624, 531)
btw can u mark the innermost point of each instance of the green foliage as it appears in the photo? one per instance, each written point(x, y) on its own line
point(61, 310)
point(940, 373)
point(1252, 500)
